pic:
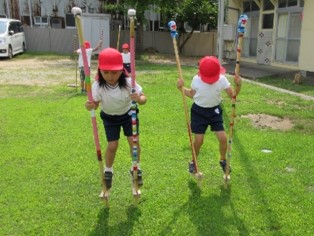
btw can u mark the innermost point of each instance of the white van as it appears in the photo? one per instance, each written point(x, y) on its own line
point(12, 38)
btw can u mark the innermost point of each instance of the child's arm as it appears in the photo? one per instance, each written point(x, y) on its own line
point(234, 92)
point(97, 46)
point(188, 92)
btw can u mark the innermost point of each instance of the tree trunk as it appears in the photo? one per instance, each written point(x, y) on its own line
point(181, 46)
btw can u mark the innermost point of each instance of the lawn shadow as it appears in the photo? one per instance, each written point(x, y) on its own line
point(225, 193)
point(271, 219)
point(123, 228)
point(206, 214)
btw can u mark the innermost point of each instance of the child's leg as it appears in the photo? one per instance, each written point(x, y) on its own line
point(110, 154)
point(82, 77)
point(222, 138)
point(198, 142)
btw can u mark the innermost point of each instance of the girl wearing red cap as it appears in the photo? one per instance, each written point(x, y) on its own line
point(126, 57)
point(112, 92)
point(206, 111)
point(89, 52)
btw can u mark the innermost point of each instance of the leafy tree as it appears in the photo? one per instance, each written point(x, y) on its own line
point(140, 6)
point(194, 12)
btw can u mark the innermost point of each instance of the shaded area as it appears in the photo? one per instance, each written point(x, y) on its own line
point(253, 71)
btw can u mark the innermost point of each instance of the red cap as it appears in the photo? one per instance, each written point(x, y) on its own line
point(125, 46)
point(210, 69)
point(110, 59)
point(86, 44)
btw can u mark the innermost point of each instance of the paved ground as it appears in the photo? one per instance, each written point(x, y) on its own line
point(253, 71)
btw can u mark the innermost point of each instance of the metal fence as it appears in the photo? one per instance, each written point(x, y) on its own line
point(65, 40)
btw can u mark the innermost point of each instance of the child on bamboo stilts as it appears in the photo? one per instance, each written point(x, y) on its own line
point(206, 89)
point(89, 53)
point(126, 56)
point(112, 92)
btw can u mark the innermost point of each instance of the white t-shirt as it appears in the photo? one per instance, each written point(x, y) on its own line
point(208, 95)
point(126, 57)
point(114, 101)
point(89, 52)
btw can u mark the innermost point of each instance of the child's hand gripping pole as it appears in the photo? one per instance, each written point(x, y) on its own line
point(241, 30)
point(77, 12)
point(132, 17)
point(173, 32)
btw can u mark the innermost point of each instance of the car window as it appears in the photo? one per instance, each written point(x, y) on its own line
point(11, 27)
point(20, 27)
point(3, 27)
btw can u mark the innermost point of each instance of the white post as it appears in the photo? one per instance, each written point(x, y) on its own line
point(7, 8)
point(220, 29)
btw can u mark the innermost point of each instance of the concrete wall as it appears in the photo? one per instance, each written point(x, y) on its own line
point(162, 42)
point(306, 60)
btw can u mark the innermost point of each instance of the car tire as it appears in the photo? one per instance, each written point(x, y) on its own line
point(24, 47)
point(10, 52)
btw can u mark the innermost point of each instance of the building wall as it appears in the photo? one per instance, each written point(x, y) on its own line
point(306, 55)
point(307, 36)
point(233, 12)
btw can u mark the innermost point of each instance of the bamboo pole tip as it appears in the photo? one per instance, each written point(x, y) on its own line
point(131, 12)
point(76, 11)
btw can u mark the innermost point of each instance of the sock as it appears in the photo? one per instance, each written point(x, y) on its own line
point(138, 166)
point(110, 169)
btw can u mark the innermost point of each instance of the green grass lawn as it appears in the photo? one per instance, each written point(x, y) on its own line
point(49, 178)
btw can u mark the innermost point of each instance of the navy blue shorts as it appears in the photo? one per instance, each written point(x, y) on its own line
point(127, 66)
point(82, 73)
point(202, 117)
point(113, 124)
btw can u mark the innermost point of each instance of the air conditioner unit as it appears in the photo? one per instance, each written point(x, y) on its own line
point(229, 32)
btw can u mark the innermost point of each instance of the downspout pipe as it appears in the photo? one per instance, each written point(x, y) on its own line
point(30, 12)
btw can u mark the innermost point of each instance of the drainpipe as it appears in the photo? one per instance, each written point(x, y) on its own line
point(20, 12)
point(30, 12)
point(7, 8)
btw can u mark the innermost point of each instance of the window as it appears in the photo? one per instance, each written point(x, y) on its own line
point(268, 21)
point(288, 37)
point(268, 5)
point(41, 21)
point(70, 20)
point(290, 3)
point(252, 10)
point(250, 6)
